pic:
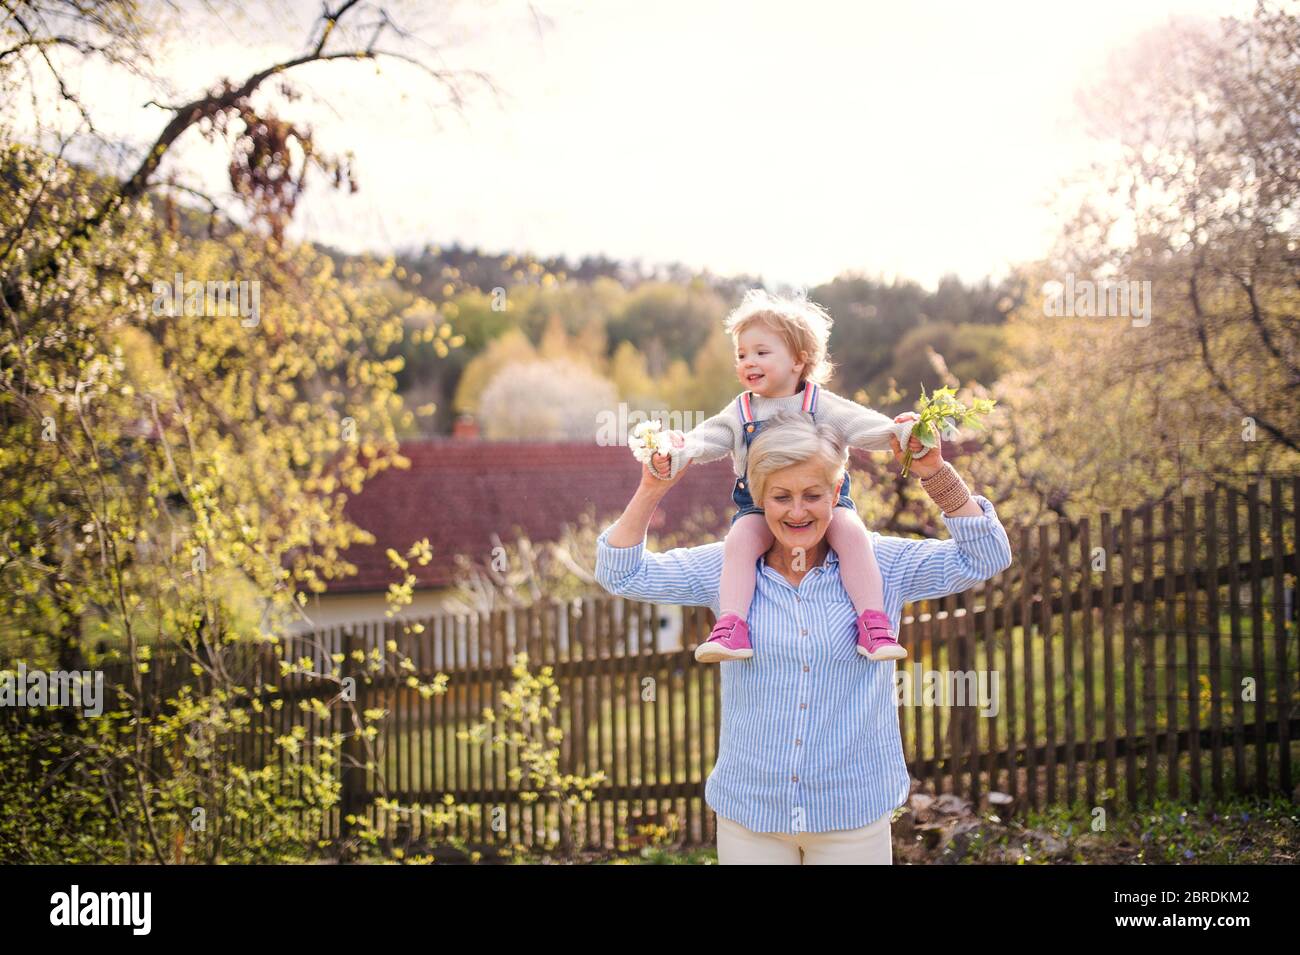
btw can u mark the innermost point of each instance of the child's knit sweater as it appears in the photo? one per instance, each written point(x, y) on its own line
point(857, 426)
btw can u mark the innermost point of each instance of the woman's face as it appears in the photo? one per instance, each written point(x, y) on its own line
point(797, 503)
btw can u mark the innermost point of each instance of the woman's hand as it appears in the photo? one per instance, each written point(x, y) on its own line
point(632, 525)
point(925, 461)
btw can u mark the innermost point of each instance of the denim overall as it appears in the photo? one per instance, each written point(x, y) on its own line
point(740, 495)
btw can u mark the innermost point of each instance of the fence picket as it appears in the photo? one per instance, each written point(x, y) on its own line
point(1238, 668)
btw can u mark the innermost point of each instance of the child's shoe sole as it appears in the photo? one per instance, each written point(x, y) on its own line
point(712, 653)
point(895, 652)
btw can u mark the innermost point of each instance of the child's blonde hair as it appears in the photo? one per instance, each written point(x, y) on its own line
point(803, 325)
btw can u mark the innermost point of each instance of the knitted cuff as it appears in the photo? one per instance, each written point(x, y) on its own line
point(946, 488)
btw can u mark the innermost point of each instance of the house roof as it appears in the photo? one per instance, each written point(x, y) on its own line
point(459, 492)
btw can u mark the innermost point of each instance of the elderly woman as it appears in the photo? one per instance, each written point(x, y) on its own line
point(810, 761)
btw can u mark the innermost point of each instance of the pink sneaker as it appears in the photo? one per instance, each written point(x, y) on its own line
point(875, 640)
point(728, 641)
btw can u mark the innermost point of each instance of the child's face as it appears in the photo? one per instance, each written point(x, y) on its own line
point(764, 363)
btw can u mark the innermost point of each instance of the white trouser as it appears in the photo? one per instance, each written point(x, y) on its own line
point(868, 845)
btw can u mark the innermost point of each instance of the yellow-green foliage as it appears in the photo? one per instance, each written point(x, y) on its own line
point(526, 724)
point(171, 488)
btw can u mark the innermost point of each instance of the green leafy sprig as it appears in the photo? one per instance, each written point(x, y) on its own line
point(942, 415)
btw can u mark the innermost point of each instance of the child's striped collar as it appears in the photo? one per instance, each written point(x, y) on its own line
point(811, 392)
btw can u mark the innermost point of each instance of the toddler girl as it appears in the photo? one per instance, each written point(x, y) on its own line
point(781, 360)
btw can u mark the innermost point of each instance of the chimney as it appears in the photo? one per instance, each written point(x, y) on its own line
point(465, 427)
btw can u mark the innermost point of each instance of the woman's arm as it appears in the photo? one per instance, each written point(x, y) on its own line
point(923, 569)
point(979, 548)
point(684, 575)
point(632, 524)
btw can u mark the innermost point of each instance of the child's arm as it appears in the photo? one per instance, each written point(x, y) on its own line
point(861, 426)
point(707, 441)
point(714, 438)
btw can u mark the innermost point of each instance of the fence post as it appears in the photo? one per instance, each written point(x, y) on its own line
point(1280, 637)
point(353, 767)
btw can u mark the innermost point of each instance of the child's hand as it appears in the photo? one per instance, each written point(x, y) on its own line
point(921, 454)
point(656, 449)
point(913, 443)
point(644, 440)
point(654, 478)
point(662, 463)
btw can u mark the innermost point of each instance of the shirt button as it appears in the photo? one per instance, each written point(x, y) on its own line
point(805, 669)
point(798, 742)
point(794, 779)
point(804, 631)
point(803, 706)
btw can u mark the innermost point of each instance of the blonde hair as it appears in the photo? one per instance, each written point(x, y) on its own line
point(787, 439)
point(803, 325)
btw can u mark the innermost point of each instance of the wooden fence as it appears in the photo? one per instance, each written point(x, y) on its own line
point(1150, 654)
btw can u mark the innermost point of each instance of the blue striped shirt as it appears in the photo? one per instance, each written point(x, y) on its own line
point(809, 732)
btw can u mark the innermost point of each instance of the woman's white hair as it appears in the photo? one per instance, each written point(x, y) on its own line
point(787, 439)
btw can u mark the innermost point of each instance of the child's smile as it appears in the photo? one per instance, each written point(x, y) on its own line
point(764, 363)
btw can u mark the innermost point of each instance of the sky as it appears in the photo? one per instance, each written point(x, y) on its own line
point(789, 141)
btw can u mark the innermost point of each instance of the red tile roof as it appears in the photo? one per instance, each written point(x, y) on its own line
point(459, 492)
